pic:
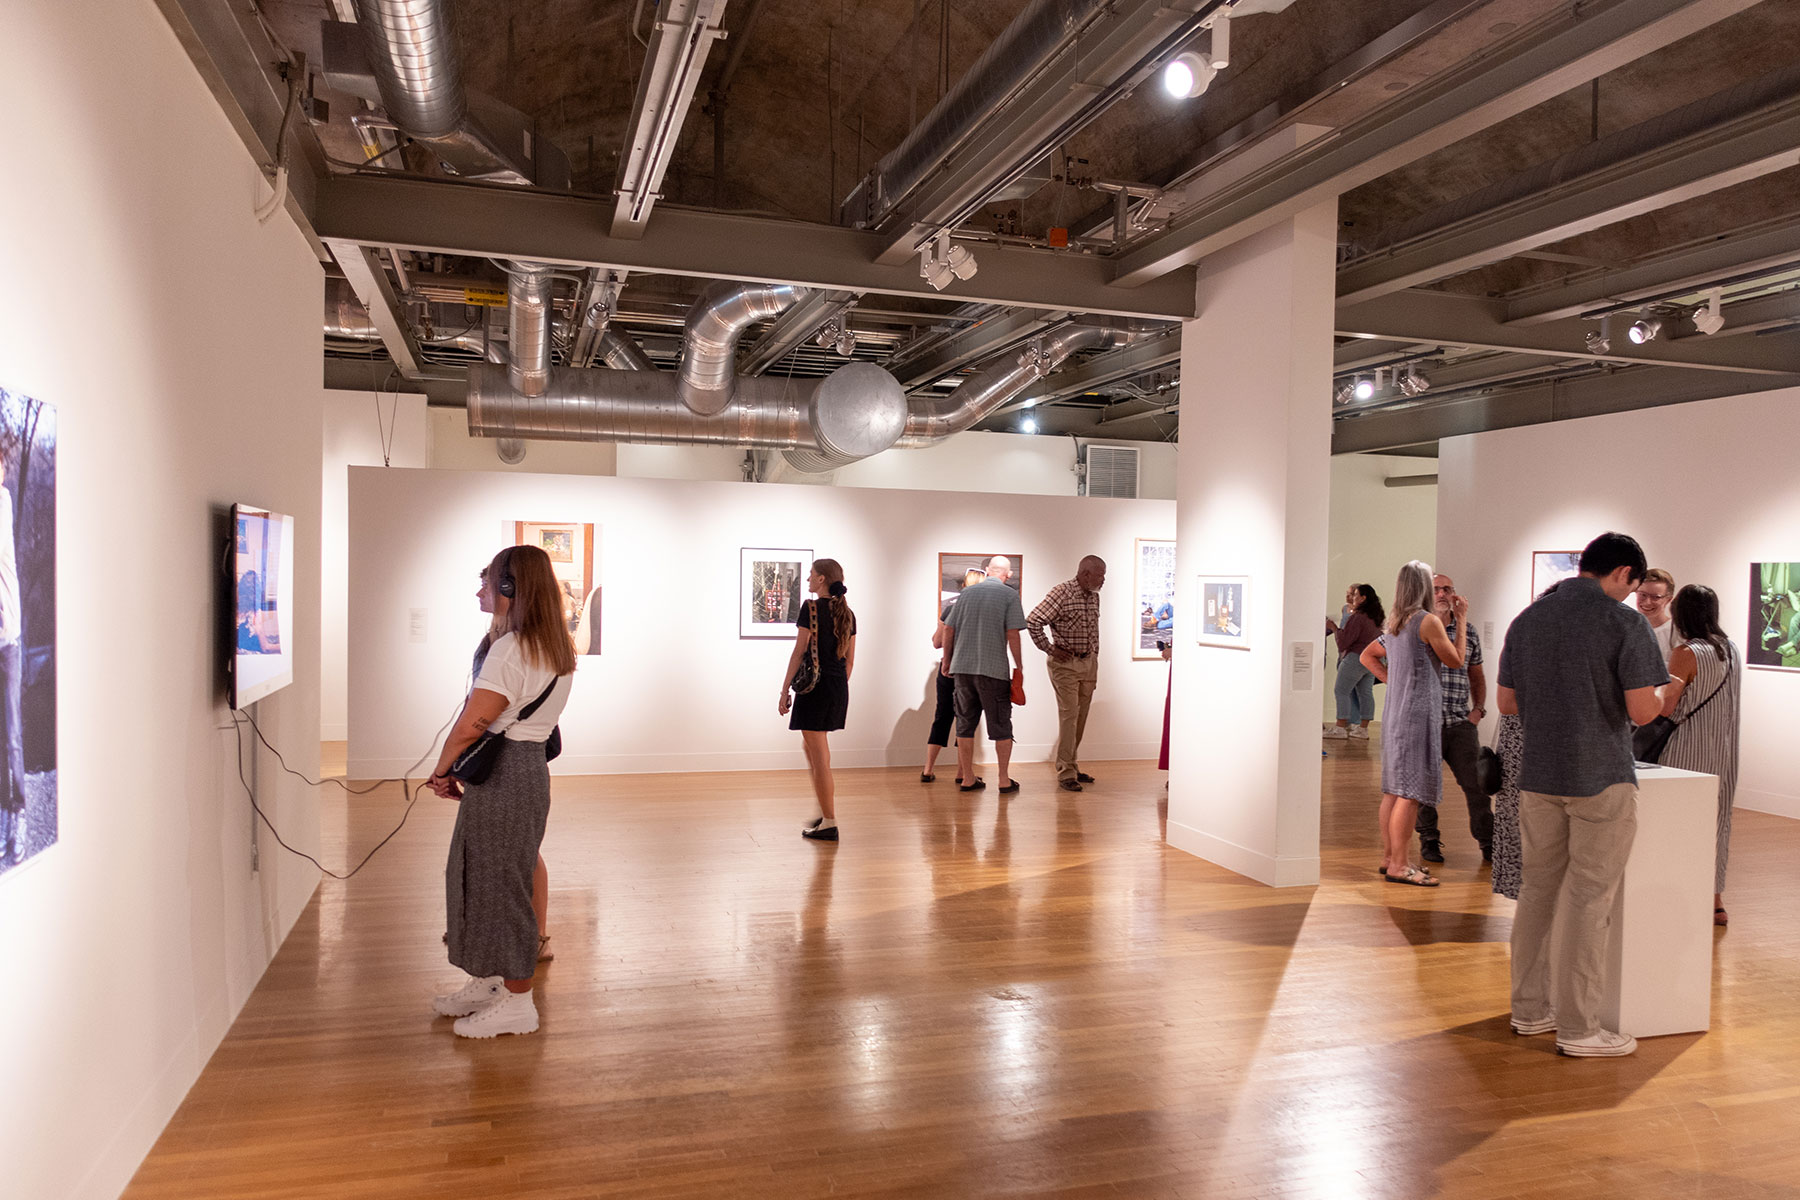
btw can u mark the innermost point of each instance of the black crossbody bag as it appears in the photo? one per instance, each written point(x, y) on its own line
point(476, 763)
point(1648, 741)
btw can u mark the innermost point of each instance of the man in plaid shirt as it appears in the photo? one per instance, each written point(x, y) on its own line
point(1066, 626)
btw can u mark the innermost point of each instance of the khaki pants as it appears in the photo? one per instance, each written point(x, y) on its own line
point(1575, 850)
point(1073, 682)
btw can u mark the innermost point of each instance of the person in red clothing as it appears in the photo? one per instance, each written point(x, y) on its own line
point(1355, 687)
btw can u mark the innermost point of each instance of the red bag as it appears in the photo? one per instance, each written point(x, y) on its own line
point(1018, 686)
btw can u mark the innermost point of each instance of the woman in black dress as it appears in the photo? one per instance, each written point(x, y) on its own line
point(828, 620)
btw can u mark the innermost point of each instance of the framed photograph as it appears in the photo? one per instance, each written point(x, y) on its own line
point(771, 589)
point(570, 545)
point(29, 818)
point(1224, 611)
point(1552, 566)
point(1154, 597)
point(957, 571)
point(1773, 643)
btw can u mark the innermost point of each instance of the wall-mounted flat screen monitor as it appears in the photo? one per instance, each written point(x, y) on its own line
point(263, 573)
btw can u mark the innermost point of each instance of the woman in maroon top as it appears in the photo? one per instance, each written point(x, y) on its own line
point(1355, 687)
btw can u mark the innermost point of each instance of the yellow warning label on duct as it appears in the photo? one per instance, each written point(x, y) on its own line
point(491, 297)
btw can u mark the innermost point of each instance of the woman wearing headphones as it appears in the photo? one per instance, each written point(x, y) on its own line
point(519, 694)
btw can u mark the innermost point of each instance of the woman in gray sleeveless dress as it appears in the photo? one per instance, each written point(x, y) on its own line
point(1708, 675)
point(1412, 723)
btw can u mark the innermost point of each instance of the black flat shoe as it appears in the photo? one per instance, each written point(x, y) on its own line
point(1081, 778)
point(1010, 788)
point(972, 787)
point(1431, 852)
point(927, 778)
point(821, 835)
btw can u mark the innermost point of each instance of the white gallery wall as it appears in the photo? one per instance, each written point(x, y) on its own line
point(178, 340)
point(1374, 529)
point(675, 688)
point(1708, 488)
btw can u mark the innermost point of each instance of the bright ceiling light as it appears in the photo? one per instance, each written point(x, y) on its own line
point(1028, 425)
point(1364, 389)
point(1187, 75)
point(1710, 320)
point(1644, 329)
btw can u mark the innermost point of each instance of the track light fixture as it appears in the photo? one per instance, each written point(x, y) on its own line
point(1028, 425)
point(1597, 342)
point(940, 262)
point(1364, 388)
point(1188, 75)
point(1644, 329)
point(1413, 383)
point(1710, 320)
point(1345, 393)
point(832, 336)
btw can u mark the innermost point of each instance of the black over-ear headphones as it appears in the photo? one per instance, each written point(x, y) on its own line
point(503, 582)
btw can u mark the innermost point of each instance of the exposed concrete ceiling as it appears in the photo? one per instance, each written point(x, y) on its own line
point(818, 92)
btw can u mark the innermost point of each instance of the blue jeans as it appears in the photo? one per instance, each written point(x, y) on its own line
point(1355, 691)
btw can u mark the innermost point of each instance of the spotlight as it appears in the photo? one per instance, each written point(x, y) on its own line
point(962, 262)
point(1597, 342)
point(1644, 329)
point(1364, 389)
point(940, 262)
point(846, 343)
point(1710, 320)
point(1414, 384)
point(1188, 75)
point(1028, 425)
point(1344, 394)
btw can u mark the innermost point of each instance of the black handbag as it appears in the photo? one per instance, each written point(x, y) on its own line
point(806, 678)
point(1489, 776)
point(476, 763)
point(1649, 740)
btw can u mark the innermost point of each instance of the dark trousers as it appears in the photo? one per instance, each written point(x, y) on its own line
point(1462, 745)
point(946, 711)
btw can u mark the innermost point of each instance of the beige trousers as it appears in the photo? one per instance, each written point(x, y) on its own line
point(1073, 681)
point(1575, 850)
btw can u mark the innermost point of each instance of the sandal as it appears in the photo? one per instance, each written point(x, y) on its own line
point(1720, 917)
point(545, 953)
point(924, 777)
point(1412, 876)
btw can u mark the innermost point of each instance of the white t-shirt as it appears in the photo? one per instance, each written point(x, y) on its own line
point(507, 672)
point(1665, 639)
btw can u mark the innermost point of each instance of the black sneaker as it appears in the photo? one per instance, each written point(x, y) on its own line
point(1431, 852)
point(1081, 777)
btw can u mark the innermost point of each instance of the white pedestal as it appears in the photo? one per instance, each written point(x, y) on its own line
point(1660, 969)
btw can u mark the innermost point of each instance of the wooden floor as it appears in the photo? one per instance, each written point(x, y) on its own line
point(972, 998)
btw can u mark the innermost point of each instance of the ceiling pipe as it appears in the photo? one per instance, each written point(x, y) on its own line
point(414, 59)
point(528, 326)
point(714, 324)
point(621, 353)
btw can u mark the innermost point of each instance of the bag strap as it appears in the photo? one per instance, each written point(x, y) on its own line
point(1722, 682)
point(530, 710)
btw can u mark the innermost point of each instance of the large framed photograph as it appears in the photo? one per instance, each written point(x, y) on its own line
point(1154, 594)
point(1224, 611)
point(1774, 640)
point(958, 571)
point(29, 819)
point(1552, 566)
point(771, 589)
point(570, 545)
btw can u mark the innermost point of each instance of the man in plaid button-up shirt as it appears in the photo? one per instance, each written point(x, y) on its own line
point(1066, 626)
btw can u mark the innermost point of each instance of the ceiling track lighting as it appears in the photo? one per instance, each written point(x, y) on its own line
point(1191, 72)
point(1644, 329)
point(940, 262)
point(1364, 388)
point(835, 336)
point(1413, 383)
point(1599, 341)
point(1710, 320)
point(1346, 392)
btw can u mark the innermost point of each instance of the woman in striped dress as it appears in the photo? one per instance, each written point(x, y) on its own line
point(1707, 673)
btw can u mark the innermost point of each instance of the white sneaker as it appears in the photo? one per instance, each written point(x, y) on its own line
point(473, 996)
point(1605, 1044)
point(1360, 732)
point(1336, 733)
point(514, 1012)
point(1531, 1028)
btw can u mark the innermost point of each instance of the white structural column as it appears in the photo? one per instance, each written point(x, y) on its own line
point(1253, 498)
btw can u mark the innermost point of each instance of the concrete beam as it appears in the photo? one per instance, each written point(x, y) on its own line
point(1620, 391)
point(473, 219)
point(1741, 134)
point(1475, 323)
point(1579, 44)
point(1742, 256)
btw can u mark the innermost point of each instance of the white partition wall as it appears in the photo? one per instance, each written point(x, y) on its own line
point(675, 689)
point(1254, 500)
point(1708, 488)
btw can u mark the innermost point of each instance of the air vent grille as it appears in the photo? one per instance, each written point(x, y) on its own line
point(1112, 471)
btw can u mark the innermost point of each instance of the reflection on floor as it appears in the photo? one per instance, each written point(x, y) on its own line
point(971, 997)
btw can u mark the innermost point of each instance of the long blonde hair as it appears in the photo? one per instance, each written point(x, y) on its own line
point(1412, 594)
point(843, 621)
point(536, 614)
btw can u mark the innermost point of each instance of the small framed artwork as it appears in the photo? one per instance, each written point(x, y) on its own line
point(1774, 641)
point(957, 571)
point(570, 545)
point(771, 589)
point(1224, 611)
point(1552, 566)
point(1154, 596)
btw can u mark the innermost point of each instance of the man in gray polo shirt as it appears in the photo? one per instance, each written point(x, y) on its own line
point(978, 634)
point(1581, 668)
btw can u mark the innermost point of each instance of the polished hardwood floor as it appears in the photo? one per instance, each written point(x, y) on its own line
point(970, 996)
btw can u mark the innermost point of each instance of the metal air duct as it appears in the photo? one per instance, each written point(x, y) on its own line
point(528, 326)
point(415, 65)
point(623, 354)
point(714, 324)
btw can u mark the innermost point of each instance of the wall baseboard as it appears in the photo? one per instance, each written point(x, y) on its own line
point(1773, 803)
point(1253, 864)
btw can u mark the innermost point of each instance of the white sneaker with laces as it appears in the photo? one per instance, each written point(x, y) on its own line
point(1336, 733)
point(473, 996)
point(1359, 732)
point(514, 1012)
point(1605, 1044)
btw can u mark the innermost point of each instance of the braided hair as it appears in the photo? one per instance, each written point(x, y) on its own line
point(843, 621)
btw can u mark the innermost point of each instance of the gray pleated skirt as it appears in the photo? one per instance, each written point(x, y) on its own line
point(491, 927)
